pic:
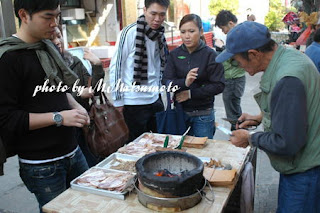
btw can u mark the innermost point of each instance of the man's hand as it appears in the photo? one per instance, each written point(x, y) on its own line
point(192, 75)
point(183, 96)
point(75, 105)
point(75, 117)
point(218, 42)
point(90, 56)
point(86, 93)
point(248, 123)
point(240, 138)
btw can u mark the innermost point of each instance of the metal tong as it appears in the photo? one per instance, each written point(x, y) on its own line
point(182, 138)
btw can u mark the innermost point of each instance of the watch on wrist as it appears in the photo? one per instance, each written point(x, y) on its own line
point(249, 139)
point(57, 118)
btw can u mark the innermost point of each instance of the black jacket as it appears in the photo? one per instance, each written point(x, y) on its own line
point(210, 80)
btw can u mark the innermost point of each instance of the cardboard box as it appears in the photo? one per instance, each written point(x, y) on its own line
point(194, 142)
point(219, 177)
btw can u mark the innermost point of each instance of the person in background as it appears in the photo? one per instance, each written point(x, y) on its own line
point(289, 103)
point(250, 15)
point(295, 32)
point(192, 67)
point(234, 75)
point(75, 64)
point(40, 125)
point(311, 36)
point(313, 51)
point(140, 60)
point(78, 67)
point(314, 29)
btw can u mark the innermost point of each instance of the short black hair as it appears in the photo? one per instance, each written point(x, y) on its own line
point(316, 36)
point(268, 47)
point(34, 6)
point(164, 3)
point(223, 17)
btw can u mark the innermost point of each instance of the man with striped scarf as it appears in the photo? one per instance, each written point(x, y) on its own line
point(139, 62)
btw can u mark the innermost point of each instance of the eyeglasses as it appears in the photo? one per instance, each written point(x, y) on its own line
point(235, 122)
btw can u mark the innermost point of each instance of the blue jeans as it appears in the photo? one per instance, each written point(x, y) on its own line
point(202, 126)
point(300, 192)
point(48, 180)
point(232, 94)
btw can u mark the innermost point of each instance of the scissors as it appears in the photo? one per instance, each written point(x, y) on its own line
point(235, 122)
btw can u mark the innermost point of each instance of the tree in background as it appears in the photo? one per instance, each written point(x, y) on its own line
point(277, 11)
point(308, 6)
point(215, 6)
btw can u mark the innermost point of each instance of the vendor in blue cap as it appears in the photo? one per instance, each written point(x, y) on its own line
point(289, 102)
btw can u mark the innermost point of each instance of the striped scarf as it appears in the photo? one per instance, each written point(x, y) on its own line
point(140, 74)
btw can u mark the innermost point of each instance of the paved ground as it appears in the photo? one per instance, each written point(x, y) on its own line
point(15, 198)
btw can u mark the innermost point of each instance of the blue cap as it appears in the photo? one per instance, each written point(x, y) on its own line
point(243, 37)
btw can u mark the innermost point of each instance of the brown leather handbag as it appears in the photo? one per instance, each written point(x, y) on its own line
point(107, 131)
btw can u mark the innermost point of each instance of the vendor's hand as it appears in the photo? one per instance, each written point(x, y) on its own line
point(192, 75)
point(183, 96)
point(120, 109)
point(240, 138)
point(75, 117)
point(90, 56)
point(218, 42)
point(86, 93)
point(248, 123)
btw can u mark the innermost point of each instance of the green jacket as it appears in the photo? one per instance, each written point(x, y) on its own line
point(51, 61)
point(232, 71)
point(289, 62)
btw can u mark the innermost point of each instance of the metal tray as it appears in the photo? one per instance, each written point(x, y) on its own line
point(176, 137)
point(204, 159)
point(103, 192)
point(108, 162)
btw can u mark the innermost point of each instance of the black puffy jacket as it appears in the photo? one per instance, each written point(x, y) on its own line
point(210, 80)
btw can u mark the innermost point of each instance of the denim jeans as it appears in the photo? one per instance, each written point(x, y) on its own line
point(202, 126)
point(232, 94)
point(300, 192)
point(48, 180)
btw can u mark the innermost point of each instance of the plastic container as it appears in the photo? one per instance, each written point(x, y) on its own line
point(206, 25)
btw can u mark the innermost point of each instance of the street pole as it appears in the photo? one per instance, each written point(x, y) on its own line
point(2, 29)
point(7, 21)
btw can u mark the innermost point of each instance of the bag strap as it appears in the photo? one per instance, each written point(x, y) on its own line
point(89, 81)
point(169, 100)
point(168, 97)
point(102, 95)
point(104, 99)
point(89, 85)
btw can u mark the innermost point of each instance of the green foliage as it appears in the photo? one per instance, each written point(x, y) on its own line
point(277, 11)
point(293, 9)
point(215, 6)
